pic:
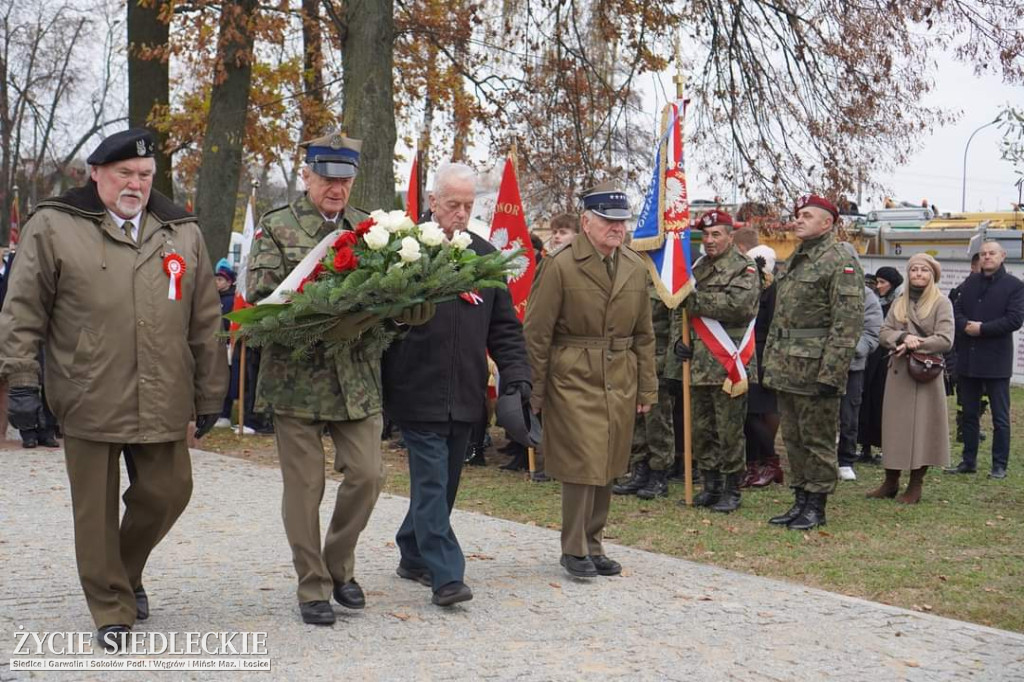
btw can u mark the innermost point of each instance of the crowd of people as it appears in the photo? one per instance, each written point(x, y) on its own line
point(113, 287)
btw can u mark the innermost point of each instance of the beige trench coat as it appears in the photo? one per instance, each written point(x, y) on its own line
point(915, 429)
point(124, 363)
point(591, 348)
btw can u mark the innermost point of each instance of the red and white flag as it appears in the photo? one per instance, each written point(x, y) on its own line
point(509, 232)
point(248, 234)
point(15, 222)
point(412, 196)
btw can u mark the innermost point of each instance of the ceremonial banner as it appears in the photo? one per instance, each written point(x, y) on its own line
point(248, 234)
point(412, 196)
point(508, 232)
point(663, 227)
point(15, 223)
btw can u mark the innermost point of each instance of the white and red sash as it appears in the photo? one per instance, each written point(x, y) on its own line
point(724, 350)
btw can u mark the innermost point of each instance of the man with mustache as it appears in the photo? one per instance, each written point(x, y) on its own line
point(114, 281)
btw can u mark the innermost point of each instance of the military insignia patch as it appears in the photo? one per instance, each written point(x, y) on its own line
point(336, 141)
point(140, 147)
point(751, 269)
point(848, 270)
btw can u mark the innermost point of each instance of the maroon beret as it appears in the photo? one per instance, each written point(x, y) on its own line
point(820, 202)
point(716, 217)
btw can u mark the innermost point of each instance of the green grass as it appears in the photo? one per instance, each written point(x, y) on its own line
point(959, 553)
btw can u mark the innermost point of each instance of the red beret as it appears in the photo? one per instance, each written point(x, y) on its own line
point(716, 217)
point(821, 202)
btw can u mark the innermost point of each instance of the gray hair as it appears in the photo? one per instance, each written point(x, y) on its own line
point(992, 241)
point(450, 173)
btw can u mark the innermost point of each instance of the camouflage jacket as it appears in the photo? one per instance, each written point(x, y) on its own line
point(728, 289)
point(661, 320)
point(315, 387)
point(819, 314)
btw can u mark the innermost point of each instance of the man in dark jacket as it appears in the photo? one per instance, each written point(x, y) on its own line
point(988, 310)
point(435, 383)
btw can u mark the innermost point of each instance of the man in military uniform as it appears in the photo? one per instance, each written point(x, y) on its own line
point(128, 363)
point(591, 346)
point(653, 449)
point(339, 392)
point(725, 300)
point(819, 314)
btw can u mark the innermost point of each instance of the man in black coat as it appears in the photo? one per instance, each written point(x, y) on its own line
point(435, 384)
point(989, 309)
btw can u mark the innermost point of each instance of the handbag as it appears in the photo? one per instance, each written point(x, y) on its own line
point(924, 368)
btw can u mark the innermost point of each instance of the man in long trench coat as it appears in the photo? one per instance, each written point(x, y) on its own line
point(114, 280)
point(591, 346)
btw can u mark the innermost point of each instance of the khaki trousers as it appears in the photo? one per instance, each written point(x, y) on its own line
point(112, 552)
point(584, 514)
point(301, 454)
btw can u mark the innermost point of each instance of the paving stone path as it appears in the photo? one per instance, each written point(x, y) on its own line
point(226, 567)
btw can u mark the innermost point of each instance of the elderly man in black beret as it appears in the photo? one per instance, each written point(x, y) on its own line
point(114, 281)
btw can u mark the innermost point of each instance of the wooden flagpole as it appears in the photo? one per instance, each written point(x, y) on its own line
point(680, 81)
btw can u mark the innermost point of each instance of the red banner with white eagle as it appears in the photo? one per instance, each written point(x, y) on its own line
point(508, 232)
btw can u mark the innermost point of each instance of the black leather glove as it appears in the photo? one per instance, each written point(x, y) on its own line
point(674, 387)
point(826, 389)
point(523, 388)
point(24, 407)
point(418, 314)
point(682, 351)
point(204, 423)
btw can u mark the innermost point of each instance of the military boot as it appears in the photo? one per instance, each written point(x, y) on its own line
point(712, 489)
point(657, 486)
point(730, 498)
point(636, 481)
point(813, 514)
point(799, 500)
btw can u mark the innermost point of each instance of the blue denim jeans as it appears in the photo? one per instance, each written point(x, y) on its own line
point(425, 538)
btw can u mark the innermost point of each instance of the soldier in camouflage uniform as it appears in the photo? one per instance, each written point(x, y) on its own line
point(819, 313)
point(653, 448)
point(728, 289)
point(342, 393)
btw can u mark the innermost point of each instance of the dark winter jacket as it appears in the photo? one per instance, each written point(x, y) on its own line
point(997, 301)
point(438, 373)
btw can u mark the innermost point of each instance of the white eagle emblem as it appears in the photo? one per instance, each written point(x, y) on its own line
point(519, 264)
point(675, 195)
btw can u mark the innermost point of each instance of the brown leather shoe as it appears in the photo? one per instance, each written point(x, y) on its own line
point(912, 495)
point(753, 473)
point(890, 486)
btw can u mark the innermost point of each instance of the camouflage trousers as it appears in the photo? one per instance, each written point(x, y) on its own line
point(718, 441)
point(653, 439)
point(809, 426)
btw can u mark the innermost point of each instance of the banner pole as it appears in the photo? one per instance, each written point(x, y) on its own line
point(687, 426)
point(241, 387)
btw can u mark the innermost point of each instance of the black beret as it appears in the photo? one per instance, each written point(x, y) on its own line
point(890, 275)
point(134, 143)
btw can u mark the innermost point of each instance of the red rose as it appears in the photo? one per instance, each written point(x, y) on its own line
point(364, 227)
point(345, 259)
point(345, 239)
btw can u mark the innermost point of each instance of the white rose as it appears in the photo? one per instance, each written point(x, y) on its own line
point(380, 217)
point(396, 221)
point(410, 251)
point(377, 237)
point(461, 240)
point(431, 234)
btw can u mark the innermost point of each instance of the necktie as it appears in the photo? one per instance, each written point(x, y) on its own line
point(610, 267)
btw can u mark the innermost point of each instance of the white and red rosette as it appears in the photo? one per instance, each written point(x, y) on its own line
point(174, 266)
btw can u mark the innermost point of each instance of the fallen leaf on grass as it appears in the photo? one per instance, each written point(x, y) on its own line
point(990, 523)
point(706, 522)
point(739, 555)
point(732, 529)
point(693, 531)
point(943, 578)
point(926, 607)
point(1000, 518)
point(824, 534)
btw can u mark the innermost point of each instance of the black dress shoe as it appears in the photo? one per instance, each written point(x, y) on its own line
point(317, 612)
point(604, 565)
point(452, 593)
point(141, 603)
point(113, 638)
point(579, 566)
point(961, 468)
point(998, 472)
point(349, 595)
point(420, 575)
point(49, 442)
point(29, 442)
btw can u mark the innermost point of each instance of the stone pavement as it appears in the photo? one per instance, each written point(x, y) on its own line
point(226, 567)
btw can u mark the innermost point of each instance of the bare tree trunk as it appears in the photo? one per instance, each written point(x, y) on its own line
point(312, 69)
point(148, 78)
point(217, 193)
point(5, 148)
point(368, 46)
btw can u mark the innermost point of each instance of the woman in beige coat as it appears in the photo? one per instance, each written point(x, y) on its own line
point(914, 433)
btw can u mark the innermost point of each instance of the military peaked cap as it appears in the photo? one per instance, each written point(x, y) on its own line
point(134, 143)
point(608, 201)
point(333, 155)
